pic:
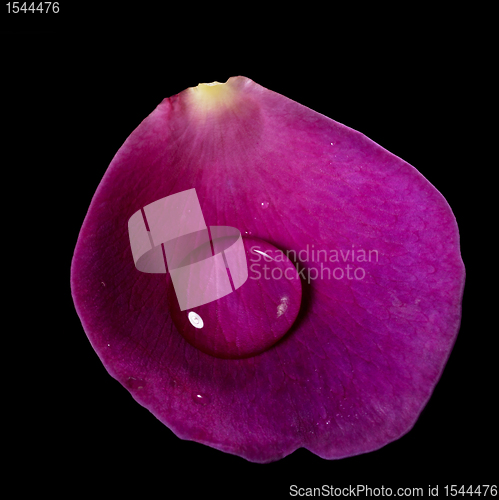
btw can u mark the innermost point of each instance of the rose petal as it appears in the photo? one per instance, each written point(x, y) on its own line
point(363, 356)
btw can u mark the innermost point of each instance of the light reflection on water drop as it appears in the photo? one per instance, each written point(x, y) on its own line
point(195, 320)
point(265, 204)
point(201, 399)
point(281, 308)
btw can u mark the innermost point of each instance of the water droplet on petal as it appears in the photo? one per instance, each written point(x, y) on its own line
point(265, 204)
point(201, 399)
point(135, 383)
point(250, 319)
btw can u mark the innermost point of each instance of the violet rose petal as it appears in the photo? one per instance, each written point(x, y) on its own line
point(363, 356)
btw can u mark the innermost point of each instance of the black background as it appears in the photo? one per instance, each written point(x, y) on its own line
point(73, 99)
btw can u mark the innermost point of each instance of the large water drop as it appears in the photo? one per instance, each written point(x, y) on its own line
point(252, 318)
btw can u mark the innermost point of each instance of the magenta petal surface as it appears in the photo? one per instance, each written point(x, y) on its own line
point(366, 350)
